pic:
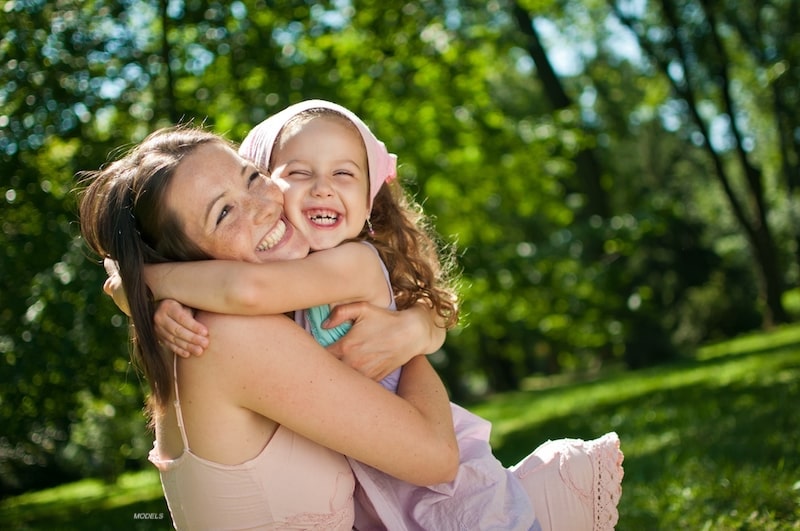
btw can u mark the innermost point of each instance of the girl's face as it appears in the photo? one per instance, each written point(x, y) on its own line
point(324, 164)
point(230, 210)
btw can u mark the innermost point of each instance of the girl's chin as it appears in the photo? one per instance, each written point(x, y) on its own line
point(320, 242)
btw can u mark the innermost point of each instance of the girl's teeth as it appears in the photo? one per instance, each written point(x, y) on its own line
point(324, 217)
point(323, 220)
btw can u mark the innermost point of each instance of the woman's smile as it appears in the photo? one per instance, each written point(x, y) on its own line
point(273, 237)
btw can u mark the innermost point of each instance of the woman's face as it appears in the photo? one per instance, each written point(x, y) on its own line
point(231, 211)
point(324, 164)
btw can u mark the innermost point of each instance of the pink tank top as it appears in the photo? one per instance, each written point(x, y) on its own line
point(293, 483)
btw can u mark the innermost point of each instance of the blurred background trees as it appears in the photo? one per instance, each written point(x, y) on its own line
point(620, 177)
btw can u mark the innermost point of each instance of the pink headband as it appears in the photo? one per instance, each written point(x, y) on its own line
point(257, 146)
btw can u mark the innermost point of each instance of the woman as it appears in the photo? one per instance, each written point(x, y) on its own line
point(252, 435)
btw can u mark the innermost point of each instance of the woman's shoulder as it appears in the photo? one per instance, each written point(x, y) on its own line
point(238, 328)
point(242, 346)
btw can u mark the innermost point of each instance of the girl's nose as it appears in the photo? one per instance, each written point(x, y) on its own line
point(321, 187)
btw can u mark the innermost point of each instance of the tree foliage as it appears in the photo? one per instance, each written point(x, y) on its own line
point(617, 210)
point(725, 66)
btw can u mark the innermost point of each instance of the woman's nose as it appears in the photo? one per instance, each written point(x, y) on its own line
point(265, 209)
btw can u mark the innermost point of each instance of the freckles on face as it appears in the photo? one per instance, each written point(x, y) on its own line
point(226, 207)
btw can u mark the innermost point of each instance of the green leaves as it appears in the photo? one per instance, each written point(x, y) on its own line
point(589, 234)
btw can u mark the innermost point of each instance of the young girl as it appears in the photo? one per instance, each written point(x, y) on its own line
point(335, 169)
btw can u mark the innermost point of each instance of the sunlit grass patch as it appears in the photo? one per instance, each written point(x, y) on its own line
point(91, 504)
point(712, 443)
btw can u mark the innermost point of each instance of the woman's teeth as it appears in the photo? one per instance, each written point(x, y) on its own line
point(273, 237)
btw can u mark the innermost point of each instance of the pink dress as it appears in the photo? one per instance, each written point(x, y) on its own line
point(568, 484)
point(293, 483)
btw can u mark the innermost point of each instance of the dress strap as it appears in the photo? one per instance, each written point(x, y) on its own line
point(386, 275)
point(177, 403)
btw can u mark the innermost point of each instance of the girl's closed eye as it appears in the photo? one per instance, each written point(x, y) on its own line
point(298, 174)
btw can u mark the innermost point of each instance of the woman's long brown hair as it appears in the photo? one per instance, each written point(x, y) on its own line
point(123, 216)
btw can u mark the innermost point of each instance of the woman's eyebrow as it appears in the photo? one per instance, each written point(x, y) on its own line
point(211, 204)
point(242, 171)
point(247, 168)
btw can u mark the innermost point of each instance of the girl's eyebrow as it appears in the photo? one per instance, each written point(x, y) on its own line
point(349, 161)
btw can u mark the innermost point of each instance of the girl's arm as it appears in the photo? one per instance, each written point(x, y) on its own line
point(178, 330)
point(379, 342)
point(113, 286)
point(347, 273)
point(175, 323)
point(270, 366)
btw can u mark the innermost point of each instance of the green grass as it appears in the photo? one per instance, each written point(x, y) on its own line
point(712, 443)
point(91, 504)
point(709, 444)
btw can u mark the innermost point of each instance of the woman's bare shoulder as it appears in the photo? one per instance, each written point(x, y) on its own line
point(256, 326)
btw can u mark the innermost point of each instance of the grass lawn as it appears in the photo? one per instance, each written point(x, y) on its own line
point(710, 444)
point(135, 501)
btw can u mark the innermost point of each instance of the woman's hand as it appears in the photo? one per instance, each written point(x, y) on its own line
point(382, 340)
point(178, 330)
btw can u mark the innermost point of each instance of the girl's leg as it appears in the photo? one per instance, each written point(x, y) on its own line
point(574, 484)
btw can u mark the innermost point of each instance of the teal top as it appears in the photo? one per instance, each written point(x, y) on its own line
point(313, 318)
point(325, 336)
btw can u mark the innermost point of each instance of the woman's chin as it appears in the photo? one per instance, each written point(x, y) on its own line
point(292, 246)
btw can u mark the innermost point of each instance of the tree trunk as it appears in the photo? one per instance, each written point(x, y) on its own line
point(168, 103)
point(588, 168)
point(755, 225)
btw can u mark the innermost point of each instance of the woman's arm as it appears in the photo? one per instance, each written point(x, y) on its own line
point(269, 365)
point(347, 273)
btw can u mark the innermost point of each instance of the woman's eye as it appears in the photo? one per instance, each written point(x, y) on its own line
point(223, 213)
point(253, 177)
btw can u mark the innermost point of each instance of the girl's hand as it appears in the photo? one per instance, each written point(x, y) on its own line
point(382, 340)
point(113, 286)
point(178, 330)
